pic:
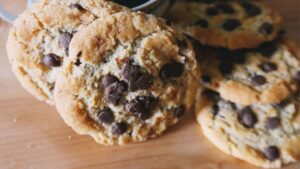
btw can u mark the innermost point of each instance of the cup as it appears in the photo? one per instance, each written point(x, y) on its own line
point(156, 7)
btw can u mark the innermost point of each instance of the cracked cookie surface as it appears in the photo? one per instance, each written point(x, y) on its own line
point(232, 24)
point(267, 135)
point(267, 74)
point(39, 39)
point(127, 79)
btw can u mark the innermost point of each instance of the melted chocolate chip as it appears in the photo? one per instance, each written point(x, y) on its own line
point(259, 80)
point(114, 93)
point(171, 70)
point(215, 109)
point(212, 11)
point(211, 95)
point(65, 39)
point(247, 117)
point(106, 116)
point(206, 79)
point(202, 23)
point(231, 24)
point(77, 6)
point(251, 9)
point(51, 60)
point(179, 111)
point(266, 29)
point(272, 153)
point(119, 128)
point(272, 123)
point(225, 8)
point(268, 67)
point(267, 49)
point(108, 80)
point(135, 78)
point(226, 67)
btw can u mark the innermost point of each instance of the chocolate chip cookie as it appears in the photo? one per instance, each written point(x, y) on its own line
point(232, 24)
point(267, 74)
point(40, 37)
point(128, 78)
point(266, 135)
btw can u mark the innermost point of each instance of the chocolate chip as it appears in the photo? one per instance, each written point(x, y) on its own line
point(231, 24)
point(179, 111)
point(149, 102)
point(130, 72)
point(106, 116)
point(65, 39)
point(114, 93)
point(297, 78)
point(202, 23)
point(268, 67)
point(215, 109)
point(135, 78)
point(226, 67)
point(77, 6)
point(78, 62)
point(119, 128)
point(211, 95)
point(206, 79)
point(237, 56)
point(51, 60)
point(171, 70)
point(272, 123)
point(141, 106)
point(282, 104)
point(251, 9)
point(267, 49)
point(166, 72)
point(259, 80)
point(225, 8)
point(142, 83)
point(272, 153)
point(247, 117)
point(212, 11)
point(135, 106)
point(108, 80)
point(266, 29)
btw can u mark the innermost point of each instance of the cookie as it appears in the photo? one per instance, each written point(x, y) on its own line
point(39, 39)
point(232, 24)
point(267, 74)
point(127, 79)
point(266, 135)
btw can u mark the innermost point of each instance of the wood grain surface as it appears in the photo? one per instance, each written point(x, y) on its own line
point(32, 135)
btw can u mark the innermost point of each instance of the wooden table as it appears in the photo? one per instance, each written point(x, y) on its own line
point(32, 135)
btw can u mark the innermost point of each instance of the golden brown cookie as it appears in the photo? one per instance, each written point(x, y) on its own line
point(39, 39)
point(127, 79)
point(267, 74)
point(266, 135)
point(232, 24)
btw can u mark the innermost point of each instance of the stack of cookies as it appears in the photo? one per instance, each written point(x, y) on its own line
point(249, 106)
point(116, 75)
point(124, 77)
